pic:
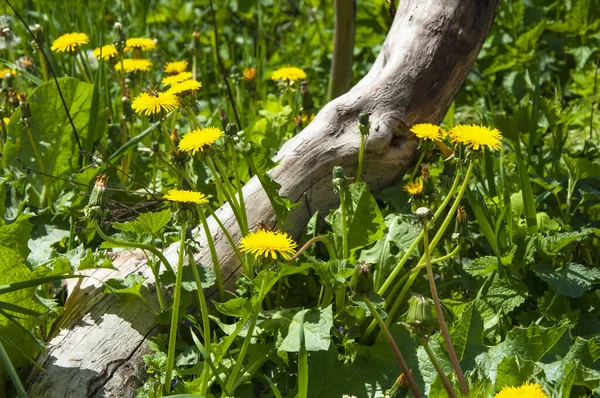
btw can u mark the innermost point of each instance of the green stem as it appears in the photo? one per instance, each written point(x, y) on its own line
point(416, 168)
point(438, 367)
point(225, 193)
point(390, 339)
point(175, 310)
point(238, 183)
point(82, 67)
point(361, 155)
point(227, 235)
point(440, 314)
point(141, 246)
point(213, 255)
point(202, 300)
point(345, 253)
point(322, 239)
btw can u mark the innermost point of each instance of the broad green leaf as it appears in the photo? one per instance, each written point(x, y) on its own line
point(505, 295)
point(481, 267)
point(316, 324)
point(467, 333)
point(131, 284)
point(50, 144)
point(364, 222)
point(580, 168)
point(572, 280)
point(514, 371)
point(554, 244)
point(42, 245)
point(150, 223)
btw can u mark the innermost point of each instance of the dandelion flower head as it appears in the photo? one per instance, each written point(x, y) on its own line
point(290, 73)
point(6, 72)
point(182, 196)
point(139, 43)
point(134, 65)
point(249, 74)
point(527, 390)
point(174, 68)
point(149, 104)
point(414, 188)
point(106, 52)
point(198, 139)
point(427, 131)
point(69, 42)
point(476, 137)
point(178, 78)
point(184, 87)
point(268, 243)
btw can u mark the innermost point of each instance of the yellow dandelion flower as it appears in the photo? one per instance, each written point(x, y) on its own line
point(139, 43)
point(182, 196)
point(289, 73)
point(249, 74)
point(268, 243)
point(199, 138)
point(173, 68)
point(106, 52)
point(306, 118)
point(476, 137)
point(527, 390)
point(184, 87)
point(69, 42)
point(414, 188)
point(6, 72)
point(178, 78)
point(428, 131)
point(149, 104)
point(6, 120)
point(134, 65)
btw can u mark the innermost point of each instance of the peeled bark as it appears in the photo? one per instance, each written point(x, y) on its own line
point(425, 58)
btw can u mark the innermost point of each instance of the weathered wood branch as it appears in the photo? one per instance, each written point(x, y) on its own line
point(429, 50)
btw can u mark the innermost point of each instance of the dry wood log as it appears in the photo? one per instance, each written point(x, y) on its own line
point(430, 48)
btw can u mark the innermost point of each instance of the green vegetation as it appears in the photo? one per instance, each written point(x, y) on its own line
point(504, 265)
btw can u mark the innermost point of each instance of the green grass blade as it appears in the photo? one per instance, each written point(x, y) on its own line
point(482, 217)
point(132, 142)
point(12, 373)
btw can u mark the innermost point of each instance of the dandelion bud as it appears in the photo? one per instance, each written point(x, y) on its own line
point(196, 38)
point(339, 179)
point(174, 137)
point(38, 34)
point(119, 39)
point(231, 129)
point(423, 213)
point(428, 187)
point(419, 316)
point(25, 110)
point(364, 124)
point(126, 102)
point(94, 211)
point(362, 279)
point(400, 387)
point(223, 117)
point(461, 228)
point(307, 100)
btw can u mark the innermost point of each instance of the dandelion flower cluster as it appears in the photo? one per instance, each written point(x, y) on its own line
point(6, 72)
point(199, 139)
point(427, 131)
point(149, 104)
point(184, 87)
point(174, 68)
point(476, 137)
point(527, 390)
point(182, 196)
point(106, 53)
point(139, 43)
point(178, 78)
point(249, 74)
point(268, 243)
point(414, 188)
point(134, 65)
point(289, 73)
point(70, 42)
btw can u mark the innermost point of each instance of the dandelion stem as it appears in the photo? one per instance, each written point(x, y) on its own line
point(361, 155)
point(213, 255)
point(175, 309)
point(316, 239)
point(416, 168)
point(345, 254)
point(239, 186)
point(390, 339)
point(226, 233)
point(438, 367)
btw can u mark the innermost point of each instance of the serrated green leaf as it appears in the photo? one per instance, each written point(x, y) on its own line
point(505, 295)
point(481, 267)
point(316, 323)
point(467, 333)
point(131, 284)
point(553, 244)
point(572, 280)
point(514, 371)
point(150, 223)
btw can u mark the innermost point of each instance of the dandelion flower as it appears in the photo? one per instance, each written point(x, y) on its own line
point(476, 137)
point(289, 73)
point(184, 87)
point(173, 68)
point(414, 188)
point(149, 104)
point(69, 42)
point(134, 65)
point(106, 53)
point(178, 78)
point(182, 196)
point(139, 43)
point(527, 390)
point(249, 74)
point(427, 131)
point(4, 73)
point(199, 138)
point(268, 243)
point(6, 120)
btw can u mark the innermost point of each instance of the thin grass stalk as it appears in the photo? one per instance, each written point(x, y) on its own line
point(213, 255)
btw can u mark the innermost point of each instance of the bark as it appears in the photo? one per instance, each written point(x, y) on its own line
point(429, 50)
